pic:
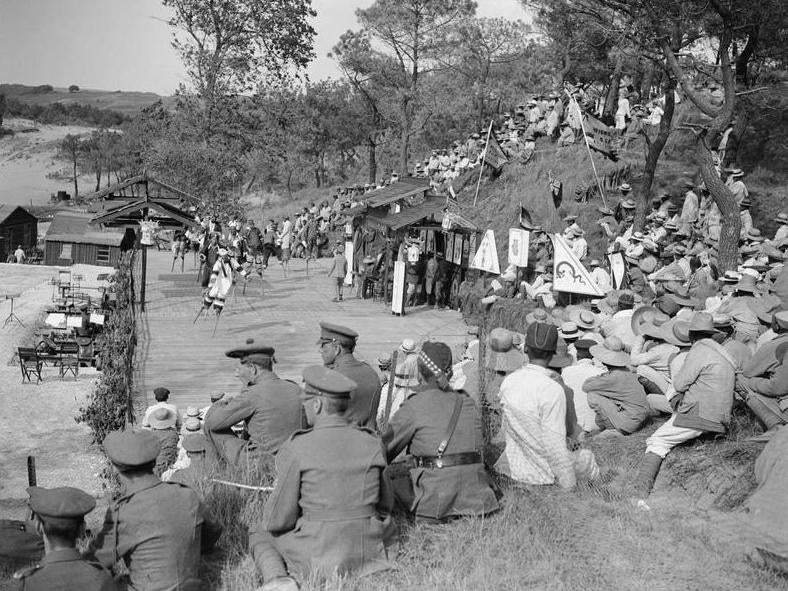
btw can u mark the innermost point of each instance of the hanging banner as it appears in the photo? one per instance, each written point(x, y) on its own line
point(457, 257)
point(618, 269)
point(148, 230)
point(448, 244)
point(519, 241)
point(349, 258)
point(569, 274)
point(486, 258)
point(398, 289)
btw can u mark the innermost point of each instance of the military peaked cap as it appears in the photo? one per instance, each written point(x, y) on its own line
point(322, 381)
point(64, 502)
point(330, 332)
point(128, 450)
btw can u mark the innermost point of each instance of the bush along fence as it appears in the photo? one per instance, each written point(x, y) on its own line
point(110, 405)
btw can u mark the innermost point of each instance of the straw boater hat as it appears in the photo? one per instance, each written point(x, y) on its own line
point(408, 346)
point(754, 235)
point(611, 352)
point(503, 355)
point(628, 204)
point(569, 330)
point(585, 319)
point(782, 218)
point(625, 187)
point(735, 172)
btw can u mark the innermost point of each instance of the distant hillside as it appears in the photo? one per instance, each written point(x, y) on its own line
point(127, 103)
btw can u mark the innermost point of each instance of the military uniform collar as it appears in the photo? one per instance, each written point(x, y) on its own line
point(62, 555)
point(344, 359)
point(329, 421)
point(140, 484)
point(263, 375)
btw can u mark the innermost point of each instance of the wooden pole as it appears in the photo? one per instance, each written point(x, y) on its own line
point(481, 164)
point(390, 388)
point(588, 147)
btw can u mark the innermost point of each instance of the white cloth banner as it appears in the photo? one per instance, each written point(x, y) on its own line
point(148, 232)
point(519, 241)
point(97, 318)
point(486, 258)
point(349, 259)
point(398, 293)
point(569, 274)
point(56, 320)
point(74, 321)
point(618, 269)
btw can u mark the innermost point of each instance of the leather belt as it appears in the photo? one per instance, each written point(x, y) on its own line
point(346, 514)
point(449, 460)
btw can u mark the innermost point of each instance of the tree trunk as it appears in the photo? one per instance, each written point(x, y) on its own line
point(372, 160)
point(728, 256)
point(98, 180)
point(735, 139)
point(317, 177)
point(653, 154)
point(743, 59)
point(404, 148)
point(645, 85)
point(76, 185)
point(611, 102)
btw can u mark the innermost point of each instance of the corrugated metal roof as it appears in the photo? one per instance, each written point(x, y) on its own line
point(73, 226)
point(404, 187)
point(409, 215)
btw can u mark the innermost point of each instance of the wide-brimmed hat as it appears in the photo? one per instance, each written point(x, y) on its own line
point(747, 284)
point(702, 322)
point(722, 321)
point(754, 235)
point(611, 352)
point(560, 361)
point(676, 332)
point(625, 187)
point(735, 172)
point(684, 299)
point(162, 418)
point(628, 204)
point(642, 316)
point(607, 211)
point(637, 237)
point(538, 315)
point(503, 356)
point(569, 330)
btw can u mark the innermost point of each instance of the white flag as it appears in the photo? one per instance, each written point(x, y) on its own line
point(618, 269)
point(519, 241)
point(486, 258)
point(569, 274)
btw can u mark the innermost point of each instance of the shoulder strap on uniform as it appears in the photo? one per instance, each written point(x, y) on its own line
point(455, 416)
point(26, 572)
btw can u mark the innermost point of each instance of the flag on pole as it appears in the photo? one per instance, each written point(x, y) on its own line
point(493, 155)
point(518, 247)
point(486, 258)
point(618, 269)
point(453, 197)
point(569, 274)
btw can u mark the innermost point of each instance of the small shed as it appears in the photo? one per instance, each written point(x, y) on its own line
point(17, 227)
point(72, 238)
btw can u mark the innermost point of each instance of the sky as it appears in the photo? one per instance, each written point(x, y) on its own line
point(125, 44)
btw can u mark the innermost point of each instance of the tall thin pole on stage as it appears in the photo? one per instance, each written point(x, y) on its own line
point(481, 165)
point(588, 147)
point(144, 278)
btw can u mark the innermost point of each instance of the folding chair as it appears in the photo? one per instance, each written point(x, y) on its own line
point(69, 359)
point(30, 363)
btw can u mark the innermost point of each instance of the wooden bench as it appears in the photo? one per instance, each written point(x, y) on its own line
point(30, 363)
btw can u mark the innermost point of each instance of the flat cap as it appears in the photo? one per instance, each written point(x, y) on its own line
point(330, 332)
point(322, 381)
point(250, 348)
point(128, 449)
point(160, 392)
point(64, 502)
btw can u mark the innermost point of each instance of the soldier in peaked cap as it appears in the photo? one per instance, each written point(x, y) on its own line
point(269, 407)
point(330, 509)
point(337, 344)
point(157, 528)
point(59, 517)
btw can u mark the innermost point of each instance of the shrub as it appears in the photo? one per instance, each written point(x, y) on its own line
point(73, 88)
point(110, 406)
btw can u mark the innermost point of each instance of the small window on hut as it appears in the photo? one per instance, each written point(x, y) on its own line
point(65, 251)
point(102, 254)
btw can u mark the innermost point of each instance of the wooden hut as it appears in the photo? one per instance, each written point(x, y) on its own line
point(72, 238)
point(18, 227)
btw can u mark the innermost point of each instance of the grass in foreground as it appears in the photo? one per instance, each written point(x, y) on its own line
point(544, 538)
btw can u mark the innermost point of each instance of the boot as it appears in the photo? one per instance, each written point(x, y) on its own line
point(766, 415)
point(647, 474)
